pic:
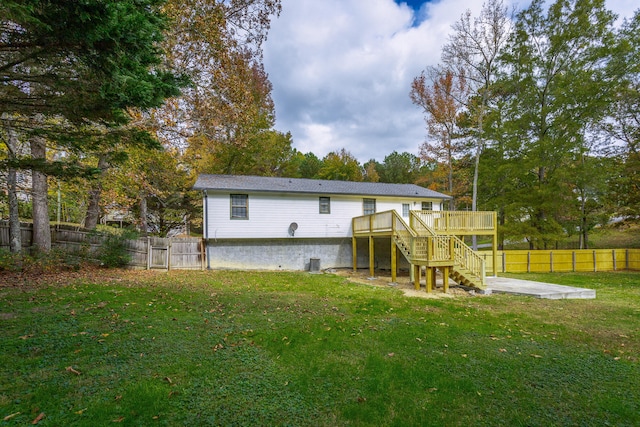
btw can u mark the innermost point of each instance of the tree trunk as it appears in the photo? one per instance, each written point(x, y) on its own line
point(15, 235)
point(39, 190)
point(143, 214)
point(476, 167)
point(93, 208)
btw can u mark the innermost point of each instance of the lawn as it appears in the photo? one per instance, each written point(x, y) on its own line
point(256, 348)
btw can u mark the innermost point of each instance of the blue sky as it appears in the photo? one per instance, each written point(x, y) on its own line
point(341, 69)
point(414, 4)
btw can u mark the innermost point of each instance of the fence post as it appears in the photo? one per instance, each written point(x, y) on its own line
point(169, 255)
point(529, 262)
point(504, 261)
point(626, 260)
point(613, 254)
point(148, 253)
point(551, 260)
point(573, 259)
point(595, 262)
point(202, 255)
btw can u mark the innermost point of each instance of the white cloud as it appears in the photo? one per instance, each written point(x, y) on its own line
point(341, 70)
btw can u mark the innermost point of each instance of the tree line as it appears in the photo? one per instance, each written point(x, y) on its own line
point(537, 116)
point(118, 106)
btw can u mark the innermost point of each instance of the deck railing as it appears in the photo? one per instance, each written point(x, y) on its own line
point(469, 260)
point(422, 243)
point(458, 222)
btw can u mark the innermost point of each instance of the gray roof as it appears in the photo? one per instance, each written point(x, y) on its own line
point(313, 186)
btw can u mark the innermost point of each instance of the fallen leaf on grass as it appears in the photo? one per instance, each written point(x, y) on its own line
point(118, 420)
point(537, 356)
point(73, 371)
point(362, 399)
point(8, 417)
point(25, 337)
point(80, 412)
point(37, 419)
point(503, 350)
point(167, 379)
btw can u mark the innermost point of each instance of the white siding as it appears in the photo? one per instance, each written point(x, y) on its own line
point(271, 214)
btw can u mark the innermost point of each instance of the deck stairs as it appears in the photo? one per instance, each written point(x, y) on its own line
point(422, 245)
point(468, 267)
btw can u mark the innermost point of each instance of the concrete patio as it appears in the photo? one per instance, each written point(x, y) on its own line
point(505, 285)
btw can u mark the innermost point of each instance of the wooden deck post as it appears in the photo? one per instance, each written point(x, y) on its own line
point(394, 251)
point(372, 265)
point(430, 279)
point(416, 276)
point(394, 260)
point(445, 279)
point(354, 253)
point(495, 244)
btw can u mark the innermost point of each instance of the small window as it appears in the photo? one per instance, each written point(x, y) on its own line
point(369, 206)
point(239, 206)
point(325, 205)
point(405, 210)
point(427, 206)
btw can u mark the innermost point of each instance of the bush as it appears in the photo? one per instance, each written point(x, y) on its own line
point(113, 252)
point(10, 261)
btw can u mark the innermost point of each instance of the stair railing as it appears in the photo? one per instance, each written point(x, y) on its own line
point(468, 260)
point(445, 247)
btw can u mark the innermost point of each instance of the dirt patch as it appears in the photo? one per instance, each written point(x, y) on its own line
point(403, 283)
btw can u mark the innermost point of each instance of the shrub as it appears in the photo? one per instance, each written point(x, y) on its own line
point(113, 251)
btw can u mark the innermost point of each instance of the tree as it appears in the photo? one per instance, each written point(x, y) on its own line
point(340, 166)
point(310, 166)
point(76, 63)
point(10, 139)
point(400, 168)
point(443, 108)
point(556, 90)
point(623, 123)
point(471, 53)
point(218, 44)
point(371, 171)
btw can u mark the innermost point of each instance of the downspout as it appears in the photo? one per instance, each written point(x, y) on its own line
point(205, 227)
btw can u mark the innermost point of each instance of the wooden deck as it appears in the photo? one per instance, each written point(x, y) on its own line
point(430, 240)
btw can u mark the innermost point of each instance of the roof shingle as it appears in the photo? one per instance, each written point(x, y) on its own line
point(313, 186)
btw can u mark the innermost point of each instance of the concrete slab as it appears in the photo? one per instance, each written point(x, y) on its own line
point(507, 285)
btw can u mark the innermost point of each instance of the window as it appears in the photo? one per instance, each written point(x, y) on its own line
point(325, 205)
point(239, 206)
point(405, 210)
point(427, 206)
point(369, 206)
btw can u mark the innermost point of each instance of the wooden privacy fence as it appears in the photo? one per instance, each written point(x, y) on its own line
point(180, 253)
point(547, 261)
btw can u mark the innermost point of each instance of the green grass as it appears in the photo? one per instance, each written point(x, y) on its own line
point(238, 348)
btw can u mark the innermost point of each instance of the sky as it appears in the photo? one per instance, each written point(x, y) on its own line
point(341, 70)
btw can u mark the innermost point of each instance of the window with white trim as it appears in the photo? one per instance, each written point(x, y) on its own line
point(427, 206)
point(325, 205)
point(405, 210)
point(368, 206)
point(239, 206)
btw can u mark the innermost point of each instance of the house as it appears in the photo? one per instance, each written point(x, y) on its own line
point(284, 223)
point(272, 223)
